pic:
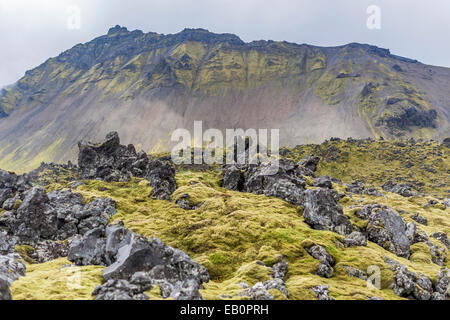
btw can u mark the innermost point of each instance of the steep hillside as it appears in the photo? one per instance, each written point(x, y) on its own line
point(145, 85)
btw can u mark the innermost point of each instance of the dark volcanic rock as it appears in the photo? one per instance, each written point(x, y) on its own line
point(442, 237)
point(322, 292)
point(142, 263)
point(119, 290)
point(443, 284)
point(310, 162)
point(359, 188)
point(88, 249)
point(355, 239)
point(95, 214)
point(57, 216)
point(323, 182)
point(323, 212)
point(5, 294)
point(11, 267)
point(355, 187)
point(110, 161)
point(283, 180)
point(34, 218)
point(386, 228)
point(161, 175)
point(233, 178)
point(408, 284)
point(404, 190)
point(5, 245)
point(419, 219)
point(133, 256)
point(446, 143)
point(326, 260)
point(257, 292)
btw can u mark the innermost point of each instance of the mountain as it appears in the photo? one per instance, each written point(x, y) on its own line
point(145, 85)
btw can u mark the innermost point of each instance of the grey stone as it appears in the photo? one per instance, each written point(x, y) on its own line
point(88, 249)
point(356, 238)
point(323, 212)
point(161, 176)
point(386, 228)
point(322, 292)
point(404, 190)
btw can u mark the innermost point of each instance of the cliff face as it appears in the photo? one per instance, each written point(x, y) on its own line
point(146, 85)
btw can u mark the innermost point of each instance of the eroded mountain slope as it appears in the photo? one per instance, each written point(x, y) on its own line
point(147, 85)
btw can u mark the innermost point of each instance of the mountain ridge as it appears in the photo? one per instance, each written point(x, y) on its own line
point(312, 93)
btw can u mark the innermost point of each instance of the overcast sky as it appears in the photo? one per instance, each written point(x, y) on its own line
point(34, 30)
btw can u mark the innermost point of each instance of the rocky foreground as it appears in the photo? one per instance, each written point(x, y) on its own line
point(125, 225)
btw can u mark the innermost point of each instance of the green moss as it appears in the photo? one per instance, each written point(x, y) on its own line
point(53, 281)
point(24, 251)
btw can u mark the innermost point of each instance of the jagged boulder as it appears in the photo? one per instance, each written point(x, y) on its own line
point(34, 218)
point(161, 175)
point(95, 214)
point(66, 205)
point(141, 263)
point(358, 187)
point(323, 212)
point(286, 183)
point(355, 239)
point(175, 272)
point(409, 284)
point(5, 245)
point(310, 163)
point(322, 292)
point(442, 237)
point(233, 178)
point(88, 249)
point(404, 189)
point(119, 289)
point(283, 179)
point(12, 184)
point(57, 216)
point(11, 267)
point(326, 260)
point(257, 292)
point(386, 228)
point(110, 161)
point(136, 255)
point(443, 285)
point(323, 182)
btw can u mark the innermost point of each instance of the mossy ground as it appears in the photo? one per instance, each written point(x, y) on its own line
point(231, 231)
point(54, 280)
point(424, 164)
